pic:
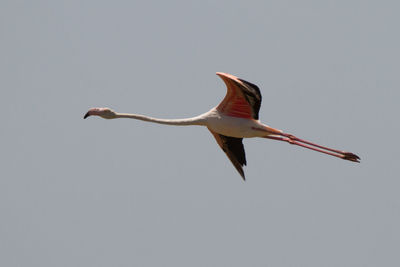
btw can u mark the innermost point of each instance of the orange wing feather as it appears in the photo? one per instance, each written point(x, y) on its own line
point(242, 99)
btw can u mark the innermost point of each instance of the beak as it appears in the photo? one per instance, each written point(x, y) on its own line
point(86, 115)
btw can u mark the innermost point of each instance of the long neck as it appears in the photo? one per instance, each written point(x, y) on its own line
point(199, 120)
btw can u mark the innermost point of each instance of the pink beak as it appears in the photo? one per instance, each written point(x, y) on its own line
point(93, 111)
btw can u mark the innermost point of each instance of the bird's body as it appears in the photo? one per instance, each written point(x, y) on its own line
point(235, 118)
point(231, 126)
point(220, 123)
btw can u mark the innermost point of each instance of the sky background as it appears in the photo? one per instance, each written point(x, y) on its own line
point(92, 192)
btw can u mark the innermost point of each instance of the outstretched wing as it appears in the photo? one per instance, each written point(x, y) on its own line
point(233, 148)
point(242, 99)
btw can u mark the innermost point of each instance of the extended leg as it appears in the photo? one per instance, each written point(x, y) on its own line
point(299, 142)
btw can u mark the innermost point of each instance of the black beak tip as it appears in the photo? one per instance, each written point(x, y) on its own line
point(86, 115)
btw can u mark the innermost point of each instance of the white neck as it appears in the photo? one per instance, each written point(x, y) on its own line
point(199, 120)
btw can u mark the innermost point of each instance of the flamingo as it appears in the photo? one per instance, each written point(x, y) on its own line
point(235, 118)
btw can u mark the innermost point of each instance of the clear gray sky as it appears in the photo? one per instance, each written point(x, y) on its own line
point(77, 192)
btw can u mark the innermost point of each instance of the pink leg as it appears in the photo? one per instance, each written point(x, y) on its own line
point(291, 139)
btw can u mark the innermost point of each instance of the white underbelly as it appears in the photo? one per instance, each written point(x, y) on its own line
point(233, 126)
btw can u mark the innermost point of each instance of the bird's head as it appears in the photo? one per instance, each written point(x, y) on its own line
point(105, 113)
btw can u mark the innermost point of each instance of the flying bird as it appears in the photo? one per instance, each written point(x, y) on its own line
point(235, 118)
